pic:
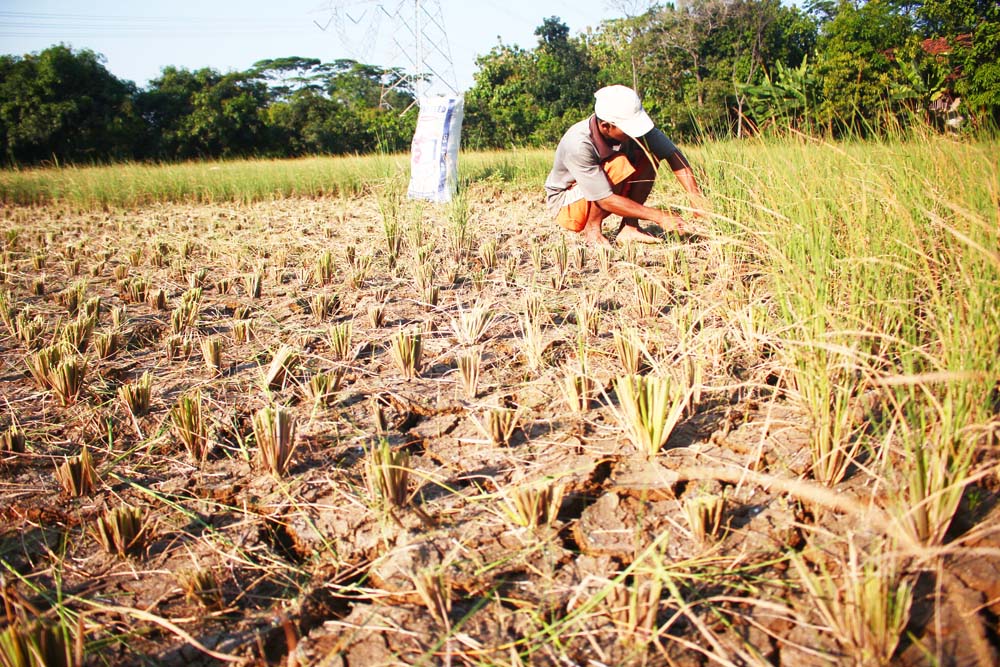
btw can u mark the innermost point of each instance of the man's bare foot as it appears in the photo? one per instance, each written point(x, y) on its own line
point(596, 239)
point(635, 234)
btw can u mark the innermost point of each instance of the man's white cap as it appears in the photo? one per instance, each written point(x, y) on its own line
point(620, 106)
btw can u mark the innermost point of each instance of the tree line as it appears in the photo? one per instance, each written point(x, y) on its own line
point(705, 68)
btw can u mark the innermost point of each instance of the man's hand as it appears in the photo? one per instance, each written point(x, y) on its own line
point(673, 223)
point(699, 206)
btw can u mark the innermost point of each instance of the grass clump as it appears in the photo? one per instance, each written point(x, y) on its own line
point(274, 432)
point(650, 409)
point(190, 426)
point(77, 475)
point(387, 476)
point(405, 349)
point(123, 531)
point(41, 644)
point(533, 505)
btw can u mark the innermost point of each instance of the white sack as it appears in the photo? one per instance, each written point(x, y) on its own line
point(434, 152)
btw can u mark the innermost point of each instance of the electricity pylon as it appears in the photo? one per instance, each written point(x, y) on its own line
point(407, 36)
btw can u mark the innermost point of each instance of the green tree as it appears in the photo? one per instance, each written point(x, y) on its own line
point(856, 63)
point(692, 61)
point(204, 114)
point(500, 108)
point(564, 80)
point(64, 104)
point(524, 96)
point(972, 31)
point(284, 76)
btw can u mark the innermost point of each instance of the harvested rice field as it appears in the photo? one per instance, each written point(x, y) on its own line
point(362, 430)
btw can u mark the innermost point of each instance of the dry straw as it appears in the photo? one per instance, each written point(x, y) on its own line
point(534, 505)
point(405, 349)
point(387, 475)
point(650, 409)
point(124, 530)
point(274, 431)
point(282, 367)
point(704, 516)
point(190, 426)
point(77, 475)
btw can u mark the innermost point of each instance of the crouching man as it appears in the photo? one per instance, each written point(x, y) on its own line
point(606, 165)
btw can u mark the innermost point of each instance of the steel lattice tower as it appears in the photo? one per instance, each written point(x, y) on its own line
point(407, 37)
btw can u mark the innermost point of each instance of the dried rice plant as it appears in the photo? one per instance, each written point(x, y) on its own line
point(430, 295)
point(136, 397)
point(651, 407)
point(325, 269)
point(405, 350)
point(434, 589)
point(40, 643)
point(472, 324)
point(634, 607)
point(704, 516)
point(387, 475)
point(242, 331)
point(282, 367)
point(322, 387)
point(12, 441)
point(865, 607)
point(253, 282)
point(488, 254)
point(323, 306)
point(198, 278)
point(649, 295)
point(339, 337)
point(274, 431)
point(158, 299)
point(211, 351)
point(123, 531)
point(77, 333)
point(630, 350)
point(106, 344)
point(604, 260)
point(376, 315)
point(67, 379)
point(190, 426)
point(499, 426)
point(577, 389)
point(469, 364)
point(588, 315)
point(533, 506)
point(42, 364)
point(533, 342)
point(77, 475)
point(201, 586)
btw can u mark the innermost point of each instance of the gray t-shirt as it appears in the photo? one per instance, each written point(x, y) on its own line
point(578, 161)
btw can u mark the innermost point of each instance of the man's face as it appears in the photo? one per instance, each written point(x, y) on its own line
point(612, 132)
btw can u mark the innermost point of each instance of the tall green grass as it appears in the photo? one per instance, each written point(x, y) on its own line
point(137, 184)
point(884, 270)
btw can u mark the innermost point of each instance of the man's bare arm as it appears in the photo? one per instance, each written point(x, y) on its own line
point(627, 208)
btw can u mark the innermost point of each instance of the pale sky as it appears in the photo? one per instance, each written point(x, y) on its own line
point(141, 37)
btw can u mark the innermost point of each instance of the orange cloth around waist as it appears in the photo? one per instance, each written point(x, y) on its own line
point(574, 215)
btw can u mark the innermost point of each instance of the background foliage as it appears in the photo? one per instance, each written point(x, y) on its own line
point(705, 68)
